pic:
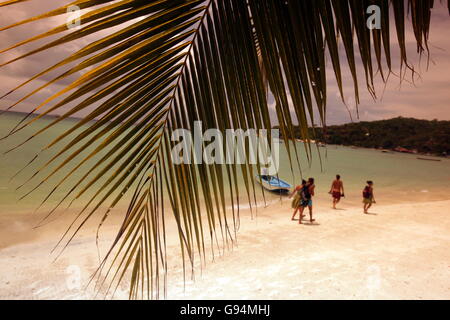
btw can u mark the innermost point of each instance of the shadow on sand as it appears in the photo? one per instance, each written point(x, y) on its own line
point(311, 224)
point(307, 223)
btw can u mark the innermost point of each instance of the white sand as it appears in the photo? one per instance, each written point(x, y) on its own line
point(402, 252)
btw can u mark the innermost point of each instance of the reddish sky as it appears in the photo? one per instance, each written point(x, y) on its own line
point(428, 99)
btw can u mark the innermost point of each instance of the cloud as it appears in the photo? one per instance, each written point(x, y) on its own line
point(427, 98)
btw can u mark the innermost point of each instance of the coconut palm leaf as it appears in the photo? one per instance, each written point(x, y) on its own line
point(163, 65)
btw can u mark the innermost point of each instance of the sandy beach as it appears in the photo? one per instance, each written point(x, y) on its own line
point(134, 134)
point(400, 251)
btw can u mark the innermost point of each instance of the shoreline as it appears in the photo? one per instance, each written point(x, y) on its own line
point(380, 149)
point(399, 253)
point(296, 139)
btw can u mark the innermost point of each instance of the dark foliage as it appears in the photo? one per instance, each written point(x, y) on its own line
point(422, 135)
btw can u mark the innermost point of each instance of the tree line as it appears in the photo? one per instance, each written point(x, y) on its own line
point(422, 136)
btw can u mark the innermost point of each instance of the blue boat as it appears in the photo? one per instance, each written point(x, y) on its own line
point(273, 183)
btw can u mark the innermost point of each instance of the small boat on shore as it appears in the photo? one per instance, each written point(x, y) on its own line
point(273, 183)
point(404, 150)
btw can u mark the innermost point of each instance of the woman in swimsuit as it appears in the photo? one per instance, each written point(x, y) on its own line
point(368, 197)
point(298, 199)
point(308, 191)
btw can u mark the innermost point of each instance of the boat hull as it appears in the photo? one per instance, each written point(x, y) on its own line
point(274, 185)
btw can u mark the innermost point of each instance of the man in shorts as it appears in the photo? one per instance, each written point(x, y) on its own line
point(337, 190)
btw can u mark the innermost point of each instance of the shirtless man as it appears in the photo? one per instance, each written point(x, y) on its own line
point(337, 190)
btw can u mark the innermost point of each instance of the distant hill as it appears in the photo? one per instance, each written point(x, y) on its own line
point(422, 136)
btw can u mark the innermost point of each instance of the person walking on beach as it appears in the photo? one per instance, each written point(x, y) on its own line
point(337, 190)
point(308, 191)
point(368, 197)
point(298, 195)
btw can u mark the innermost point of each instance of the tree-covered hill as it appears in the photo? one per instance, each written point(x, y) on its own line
point(412, 134)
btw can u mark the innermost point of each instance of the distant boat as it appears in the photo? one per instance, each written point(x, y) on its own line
point(428, 159)
point(403, 150)
point(273, 183)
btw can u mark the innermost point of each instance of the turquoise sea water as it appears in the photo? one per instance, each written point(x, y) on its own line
point(397, 177)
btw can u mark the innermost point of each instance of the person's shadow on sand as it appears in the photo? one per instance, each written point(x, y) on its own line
point(311, 224)
point(371, 213)
point(307, 222)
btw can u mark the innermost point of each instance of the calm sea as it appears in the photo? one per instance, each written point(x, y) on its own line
point(398, 177)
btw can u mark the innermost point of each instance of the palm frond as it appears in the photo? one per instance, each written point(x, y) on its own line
point(162, 66)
